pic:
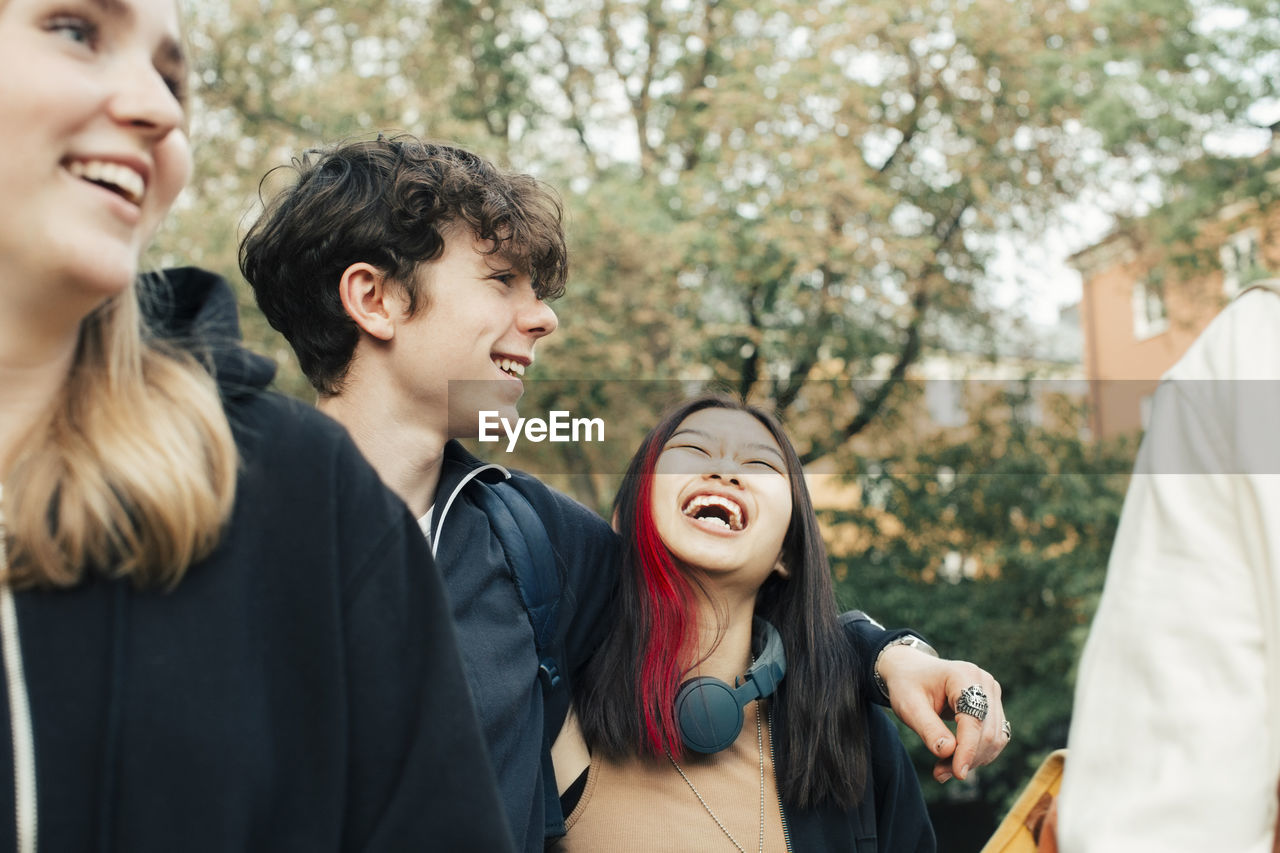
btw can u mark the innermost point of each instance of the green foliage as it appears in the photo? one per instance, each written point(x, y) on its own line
point(793, 198)
point(817, 182)
point(994, 544)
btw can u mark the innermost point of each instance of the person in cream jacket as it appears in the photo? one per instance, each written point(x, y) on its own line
point(1175, 738)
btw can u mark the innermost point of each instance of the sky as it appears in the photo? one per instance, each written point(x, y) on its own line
point(1034, 277)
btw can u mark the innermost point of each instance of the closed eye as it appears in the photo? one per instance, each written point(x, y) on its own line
point(695, 448)
point(765, 464)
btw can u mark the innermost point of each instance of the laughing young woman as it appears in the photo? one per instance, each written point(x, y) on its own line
point(219, 631)
point(725, 582)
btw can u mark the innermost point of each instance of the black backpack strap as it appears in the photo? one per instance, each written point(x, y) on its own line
point(530, 558)
point(532, 563)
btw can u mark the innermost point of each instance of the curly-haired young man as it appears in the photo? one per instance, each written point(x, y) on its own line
point(411, 279)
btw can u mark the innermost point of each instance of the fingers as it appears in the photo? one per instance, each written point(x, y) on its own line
point(921, 717)
point(924, 691)
point(969, 737)
point(978, 742)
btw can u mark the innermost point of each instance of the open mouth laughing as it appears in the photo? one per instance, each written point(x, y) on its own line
point(716, 511)
point(118, 178)
point(510, 366)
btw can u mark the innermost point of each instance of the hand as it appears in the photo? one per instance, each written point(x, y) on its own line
point(923, 691)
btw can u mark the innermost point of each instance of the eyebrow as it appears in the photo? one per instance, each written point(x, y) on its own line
point(170, 50)
point(114, 7)
point(755, 445)
point(501, 261)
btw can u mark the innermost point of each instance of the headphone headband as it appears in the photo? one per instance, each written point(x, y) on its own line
point(771, 663)
point(709, 712)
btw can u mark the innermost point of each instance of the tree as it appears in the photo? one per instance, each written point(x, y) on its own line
point(824, 180)
point(843, 168)
point(994, 540)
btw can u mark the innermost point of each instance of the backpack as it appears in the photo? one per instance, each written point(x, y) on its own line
point(531, 561)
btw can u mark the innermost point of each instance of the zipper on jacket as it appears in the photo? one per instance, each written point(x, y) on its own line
point(24, 753)
point(782, 810)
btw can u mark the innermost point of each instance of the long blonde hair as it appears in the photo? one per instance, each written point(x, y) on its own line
point(133, 470)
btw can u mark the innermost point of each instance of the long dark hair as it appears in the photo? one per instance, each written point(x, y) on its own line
point(625, 702)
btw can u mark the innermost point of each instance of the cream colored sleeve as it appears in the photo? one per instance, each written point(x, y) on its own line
point(1173, 744)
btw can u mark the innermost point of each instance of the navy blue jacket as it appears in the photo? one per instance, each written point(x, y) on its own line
point(901, 818)
point(299, 690)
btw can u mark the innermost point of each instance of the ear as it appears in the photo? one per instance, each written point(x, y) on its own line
point(782, 571)
point(373, 303)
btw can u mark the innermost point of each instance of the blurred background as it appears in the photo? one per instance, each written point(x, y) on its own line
point(955, 244)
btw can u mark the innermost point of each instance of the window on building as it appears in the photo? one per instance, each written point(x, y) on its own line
point(1149, 315)
point(1241, 261)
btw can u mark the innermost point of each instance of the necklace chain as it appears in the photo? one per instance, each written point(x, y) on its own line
point(719, 823)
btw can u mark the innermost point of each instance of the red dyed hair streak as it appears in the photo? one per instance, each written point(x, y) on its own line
point(667, 604)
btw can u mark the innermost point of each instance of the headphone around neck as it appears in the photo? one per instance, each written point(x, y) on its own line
point(709, 712)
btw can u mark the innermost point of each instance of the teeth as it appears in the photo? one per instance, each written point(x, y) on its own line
point(122, 178)
point(701, 502)
point(511, 366)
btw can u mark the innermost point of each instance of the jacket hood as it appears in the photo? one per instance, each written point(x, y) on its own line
point(196, 310)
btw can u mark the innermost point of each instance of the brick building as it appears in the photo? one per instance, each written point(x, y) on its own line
point(1139, 311)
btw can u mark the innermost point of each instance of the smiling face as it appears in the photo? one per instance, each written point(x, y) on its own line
point(721, 495)
point(468, 348)
point(95, 142)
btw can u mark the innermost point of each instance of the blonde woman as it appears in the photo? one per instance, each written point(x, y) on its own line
point(219, 631)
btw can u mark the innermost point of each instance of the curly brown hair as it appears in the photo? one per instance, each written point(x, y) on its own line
point(390, 202)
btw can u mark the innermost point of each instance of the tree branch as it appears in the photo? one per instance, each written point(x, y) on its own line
point(576, 121)
point(699, 82)
point(642, 101)
point(804, 365)
point(871, 406)
point(909, 126)
point(750, 371)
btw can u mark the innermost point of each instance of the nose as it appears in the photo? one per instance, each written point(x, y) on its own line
point(143, 99)
point(722, 470)
point(536, 317)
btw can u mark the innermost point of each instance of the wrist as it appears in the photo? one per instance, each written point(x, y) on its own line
point(907, 641)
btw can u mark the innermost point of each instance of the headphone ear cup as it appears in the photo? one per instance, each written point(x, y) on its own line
point(708, 714)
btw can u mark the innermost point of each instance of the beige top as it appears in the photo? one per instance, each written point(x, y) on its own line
point(642, 804)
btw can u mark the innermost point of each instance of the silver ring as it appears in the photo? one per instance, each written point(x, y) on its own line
point(1007, 729)
point(973, 701)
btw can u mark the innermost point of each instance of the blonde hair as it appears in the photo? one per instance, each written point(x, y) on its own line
point(132, 472)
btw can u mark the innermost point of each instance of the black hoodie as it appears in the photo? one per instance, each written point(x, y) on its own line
point(300, 689)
